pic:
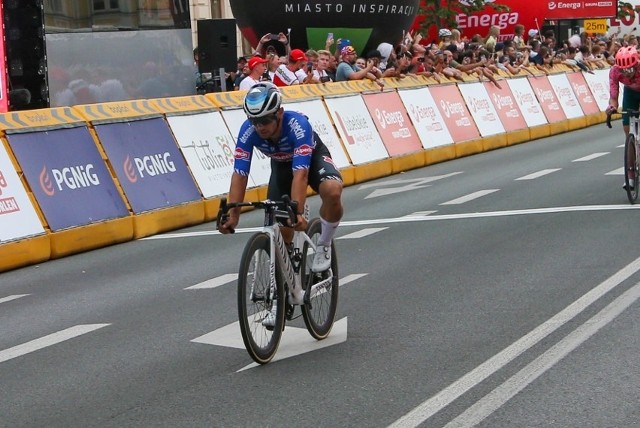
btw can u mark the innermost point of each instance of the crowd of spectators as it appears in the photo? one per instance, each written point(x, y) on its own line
point(450, 56)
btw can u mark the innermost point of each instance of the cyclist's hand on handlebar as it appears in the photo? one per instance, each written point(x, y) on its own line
point(228, 225)
point(301, 225)
point(611, 109)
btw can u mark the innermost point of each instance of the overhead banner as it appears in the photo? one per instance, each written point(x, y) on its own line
point(580, 9)
point(526, 100)
point(426, 117)
point(583, 93)
point(68, 177)
point(547, 99)
point(506, 107)
point(568, 101)
point(454, 111)
point(148, 164)
point(321, 123)
point(208, 148)
point(389, 115)
point(481, 108)
point(260, 163)
point(18, 217)
point(355, 126)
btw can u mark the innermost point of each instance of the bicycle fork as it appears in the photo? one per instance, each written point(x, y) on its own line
point(279, 248)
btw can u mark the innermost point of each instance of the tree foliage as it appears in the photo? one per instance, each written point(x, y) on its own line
point(442, 13)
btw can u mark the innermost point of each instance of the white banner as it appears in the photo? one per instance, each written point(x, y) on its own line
point(426, 117)
point(356, 128)
point(481, 108)
point(321, 123)
point(566, 97)
point(527, 101)
point(208, 148)
point(599, 84)
point(260, 164)
point(18, 217)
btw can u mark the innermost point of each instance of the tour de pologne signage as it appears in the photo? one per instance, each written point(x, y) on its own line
point(68, 177)
point(362, 22)
point(148, 164)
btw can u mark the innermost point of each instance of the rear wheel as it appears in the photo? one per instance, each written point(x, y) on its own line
point(256, 299)
point(631, 168)
point(319, 313)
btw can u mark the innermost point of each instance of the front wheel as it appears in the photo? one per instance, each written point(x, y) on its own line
point(319, 313)
point(256, 298)
point(631, 168)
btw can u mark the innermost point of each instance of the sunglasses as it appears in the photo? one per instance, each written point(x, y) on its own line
point(630, 70)
point(265, 120)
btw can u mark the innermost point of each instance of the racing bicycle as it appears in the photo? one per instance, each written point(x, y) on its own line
point(275, 274)
point(631, 154)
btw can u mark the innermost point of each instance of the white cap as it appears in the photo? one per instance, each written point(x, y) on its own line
point(533, 32)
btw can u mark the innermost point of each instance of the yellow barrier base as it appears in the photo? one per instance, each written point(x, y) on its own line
point(408, 162)
point(348, 175)
point(85, 238)
point(468, 148)
point(211, 208)
point(559, 127)
point(373, 170)
point(596, 118)
point(519, 136)
point(24, 252)
point(493, 142)
point(577, 123)
point(440, 154)
point(162, 220)
point(540, 131)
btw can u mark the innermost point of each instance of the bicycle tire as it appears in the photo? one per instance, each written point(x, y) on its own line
point(319, 314)
point(254, 301)
point(631, 168)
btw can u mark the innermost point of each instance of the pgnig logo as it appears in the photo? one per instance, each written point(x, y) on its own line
point(148, 166)
point(69, 177)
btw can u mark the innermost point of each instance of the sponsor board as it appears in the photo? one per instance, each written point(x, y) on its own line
point(356, 128)
point(208, 147)
point(389, 115)
point(455, 113)
point(18, 217)
point(583, 93)
point(426, 117)
point(482, 109)
point(565, 95)
point(547, 98)
point(599, 84)
point(319, 118)
point(68, 177)
point(260, 164)
point(526, 100)
point(148, 164)
point(506, 106)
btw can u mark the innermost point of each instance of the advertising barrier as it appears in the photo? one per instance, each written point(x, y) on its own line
point(146, 166)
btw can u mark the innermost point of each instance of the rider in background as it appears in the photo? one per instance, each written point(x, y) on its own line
point(298, 158)
point(627, 72)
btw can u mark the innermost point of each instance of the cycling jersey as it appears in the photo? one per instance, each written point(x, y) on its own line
point(616, 76)
point(296, 144)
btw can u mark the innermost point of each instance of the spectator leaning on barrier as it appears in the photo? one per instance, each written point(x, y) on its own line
point(290, 73)
point(347, 69)
point(320, 74)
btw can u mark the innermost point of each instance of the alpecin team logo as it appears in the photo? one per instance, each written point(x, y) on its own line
point(242, 154)
point(303, 150)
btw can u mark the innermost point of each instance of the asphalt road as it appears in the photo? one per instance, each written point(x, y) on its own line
point(497, 290)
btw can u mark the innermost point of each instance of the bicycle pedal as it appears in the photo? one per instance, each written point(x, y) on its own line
point(288, 311)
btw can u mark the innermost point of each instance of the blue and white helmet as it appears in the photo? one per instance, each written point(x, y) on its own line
point(262, 99)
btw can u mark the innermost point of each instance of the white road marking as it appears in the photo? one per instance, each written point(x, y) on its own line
point(350, 278)
point(470, 197)
point(591, 157)
point(215, 282)
point(362, 233)
point(14, 297)
point(48, 340)
point(499, 396)
point(619, 171)
point(408, 219)
point(445, 397)
point(538, 174)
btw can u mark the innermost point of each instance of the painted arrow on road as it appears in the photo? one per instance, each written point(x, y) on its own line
point(407, 184)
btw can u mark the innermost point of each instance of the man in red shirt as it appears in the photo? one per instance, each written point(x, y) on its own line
point(294, 72)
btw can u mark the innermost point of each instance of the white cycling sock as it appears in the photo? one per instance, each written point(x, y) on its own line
point(327, 231)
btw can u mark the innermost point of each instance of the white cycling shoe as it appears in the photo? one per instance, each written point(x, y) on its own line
point(322, 259)
point(269, 321)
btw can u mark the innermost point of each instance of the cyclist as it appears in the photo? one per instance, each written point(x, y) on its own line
point(298, 158)
point(627, 72)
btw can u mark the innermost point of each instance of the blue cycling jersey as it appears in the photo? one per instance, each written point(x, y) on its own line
point(296, 144)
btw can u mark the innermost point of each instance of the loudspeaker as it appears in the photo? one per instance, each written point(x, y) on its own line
point(217, 46)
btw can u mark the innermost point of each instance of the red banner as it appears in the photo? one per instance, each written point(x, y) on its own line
point(585, 9)
point(4, 96)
